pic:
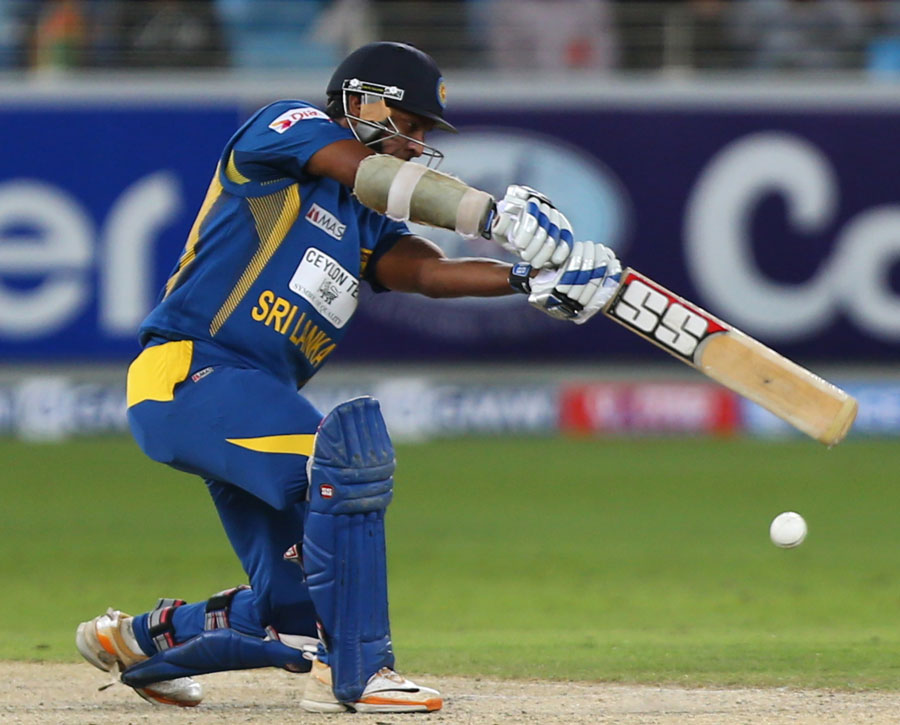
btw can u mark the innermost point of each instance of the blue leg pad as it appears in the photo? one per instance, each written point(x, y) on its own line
point(215, 651)
point(351, 484)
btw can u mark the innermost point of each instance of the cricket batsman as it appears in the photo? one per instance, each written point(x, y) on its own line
point(305, 205)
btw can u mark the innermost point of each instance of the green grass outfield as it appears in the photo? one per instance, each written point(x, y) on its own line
point(616, 560)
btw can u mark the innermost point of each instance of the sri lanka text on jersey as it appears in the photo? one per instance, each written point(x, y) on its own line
point(278, 313)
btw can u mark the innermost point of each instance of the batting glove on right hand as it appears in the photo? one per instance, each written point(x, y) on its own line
point(580, 287)
point(528, 225)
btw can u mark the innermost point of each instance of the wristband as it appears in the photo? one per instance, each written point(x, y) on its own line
point(489, 222)
point(520, 278)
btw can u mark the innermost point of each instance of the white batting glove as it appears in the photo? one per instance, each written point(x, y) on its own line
point(528, 225)
point(578, 289)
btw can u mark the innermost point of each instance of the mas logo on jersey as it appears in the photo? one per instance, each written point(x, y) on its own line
point(327, 286)
point(200, 374)
point(326, 221)
point(295, 115)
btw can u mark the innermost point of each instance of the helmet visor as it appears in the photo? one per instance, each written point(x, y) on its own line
point(374, 124)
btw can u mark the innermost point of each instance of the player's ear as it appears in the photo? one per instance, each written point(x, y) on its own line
point(354, 103)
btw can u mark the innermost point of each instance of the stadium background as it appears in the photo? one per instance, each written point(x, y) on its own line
point(771, 204)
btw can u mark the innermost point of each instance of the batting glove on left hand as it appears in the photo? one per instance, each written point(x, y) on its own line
point(579, 288)
point(528, 225)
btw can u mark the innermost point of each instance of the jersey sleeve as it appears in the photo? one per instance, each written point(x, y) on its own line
point(280, 140)
point(387, 233)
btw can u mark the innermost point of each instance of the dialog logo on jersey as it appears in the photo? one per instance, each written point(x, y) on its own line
point(289, 118)
point(327, 286)
point(326, 221)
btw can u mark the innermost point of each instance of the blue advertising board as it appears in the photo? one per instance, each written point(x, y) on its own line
point(784, 222)
point(95, 204)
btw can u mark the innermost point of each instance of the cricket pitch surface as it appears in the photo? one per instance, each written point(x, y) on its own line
point(54, 694)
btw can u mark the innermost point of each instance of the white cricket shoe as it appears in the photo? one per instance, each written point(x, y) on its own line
point(108, 643)
point(386, 691)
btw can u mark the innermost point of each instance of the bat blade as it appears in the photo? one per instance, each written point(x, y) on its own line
point(732, 358)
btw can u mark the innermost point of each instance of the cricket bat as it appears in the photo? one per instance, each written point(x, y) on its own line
point(728, 356)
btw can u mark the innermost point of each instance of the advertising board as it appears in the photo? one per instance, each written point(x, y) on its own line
point(783, 220)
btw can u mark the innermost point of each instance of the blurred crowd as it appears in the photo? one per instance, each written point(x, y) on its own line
point(515, 35)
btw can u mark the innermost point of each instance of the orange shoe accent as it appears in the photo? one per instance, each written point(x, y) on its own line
point(124, 649)
point(431, 704)
point(106, 643)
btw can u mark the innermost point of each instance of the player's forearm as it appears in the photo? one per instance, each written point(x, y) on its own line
point(467, 277)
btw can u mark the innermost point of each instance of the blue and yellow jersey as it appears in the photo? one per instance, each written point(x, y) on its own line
point(272, 265)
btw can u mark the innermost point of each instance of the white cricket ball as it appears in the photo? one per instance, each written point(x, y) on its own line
point(788, 530)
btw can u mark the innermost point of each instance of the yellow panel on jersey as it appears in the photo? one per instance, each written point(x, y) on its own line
point(274, 215)
point(364, 256)
point(157, 370)
point(232, 173)
point(190, 247)
point(300, 444)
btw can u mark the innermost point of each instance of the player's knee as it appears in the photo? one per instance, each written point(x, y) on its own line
point(281, 596)
point(353, 460)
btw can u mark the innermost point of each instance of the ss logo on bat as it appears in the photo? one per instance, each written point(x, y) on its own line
point(655, 314)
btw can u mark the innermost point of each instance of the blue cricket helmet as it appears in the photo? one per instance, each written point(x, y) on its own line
point(407, 78)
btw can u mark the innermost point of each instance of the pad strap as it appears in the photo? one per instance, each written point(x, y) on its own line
point(218, 608)
point(402, 188)
point(159, 623)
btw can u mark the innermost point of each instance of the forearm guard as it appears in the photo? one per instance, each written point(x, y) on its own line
point(406, 191)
